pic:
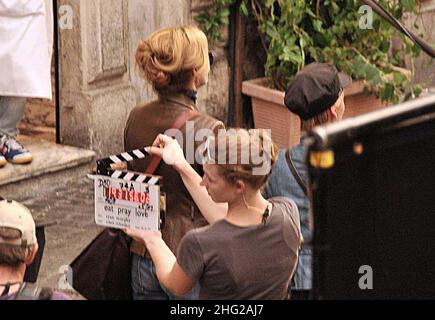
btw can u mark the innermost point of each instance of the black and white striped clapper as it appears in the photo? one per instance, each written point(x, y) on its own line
point(129, 156)
point(104, 167)
point(132, 176)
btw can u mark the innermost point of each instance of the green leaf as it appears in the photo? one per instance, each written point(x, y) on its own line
point(269, 3)
point(399, 78)
point(389, 92)
point(417, 90)
point(408, 4)
point(244, 9)
point(317, 24)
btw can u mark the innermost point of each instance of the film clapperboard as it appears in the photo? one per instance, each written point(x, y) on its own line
point(126, 198)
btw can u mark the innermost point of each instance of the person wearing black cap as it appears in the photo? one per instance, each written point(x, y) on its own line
point(316, 95)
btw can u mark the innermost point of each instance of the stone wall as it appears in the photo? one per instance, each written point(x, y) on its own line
point(425, 66)
point(96, 92)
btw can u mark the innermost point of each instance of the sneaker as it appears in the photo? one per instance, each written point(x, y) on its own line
point(14, 152)
point(2, 161)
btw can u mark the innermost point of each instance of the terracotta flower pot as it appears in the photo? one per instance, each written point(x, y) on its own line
point(270, 112)
point(357, 103)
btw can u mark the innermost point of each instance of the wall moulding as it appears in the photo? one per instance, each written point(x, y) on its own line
point(105, 47)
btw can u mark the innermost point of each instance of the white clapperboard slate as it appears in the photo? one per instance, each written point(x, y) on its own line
point(127, 199)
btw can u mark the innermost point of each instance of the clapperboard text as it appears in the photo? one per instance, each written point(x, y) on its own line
point(128, 194)
point(124, 198)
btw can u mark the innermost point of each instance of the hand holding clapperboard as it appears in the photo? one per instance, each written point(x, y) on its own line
point(125, 199)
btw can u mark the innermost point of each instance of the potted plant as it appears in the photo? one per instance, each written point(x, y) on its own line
point(295, 33)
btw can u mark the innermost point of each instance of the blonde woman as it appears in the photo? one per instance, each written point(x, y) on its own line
point(175, 61)
point(250, 249)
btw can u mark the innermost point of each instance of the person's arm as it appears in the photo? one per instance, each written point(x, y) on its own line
point(171, 152)
point(169, 273)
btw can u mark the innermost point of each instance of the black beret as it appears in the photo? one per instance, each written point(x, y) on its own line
point(315, 89)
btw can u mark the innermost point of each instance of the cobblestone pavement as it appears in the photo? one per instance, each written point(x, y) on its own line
point(71, 208)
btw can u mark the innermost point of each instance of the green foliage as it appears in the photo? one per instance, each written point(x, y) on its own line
point(297, 32)
point(214, 18)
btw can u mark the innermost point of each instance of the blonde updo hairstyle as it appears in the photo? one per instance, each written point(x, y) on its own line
point(240, 165)
point(168, 56)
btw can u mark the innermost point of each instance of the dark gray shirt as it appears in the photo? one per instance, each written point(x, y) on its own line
point(235, 263)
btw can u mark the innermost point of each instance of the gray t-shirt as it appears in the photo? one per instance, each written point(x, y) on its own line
point(237, 263)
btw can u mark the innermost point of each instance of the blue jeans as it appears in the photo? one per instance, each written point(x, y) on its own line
point(146, 286)
point(11, 112)
point(304, 273)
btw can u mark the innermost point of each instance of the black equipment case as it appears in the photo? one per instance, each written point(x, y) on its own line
point(373, 204)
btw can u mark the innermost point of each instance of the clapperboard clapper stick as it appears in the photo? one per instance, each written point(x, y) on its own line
point(127, 199)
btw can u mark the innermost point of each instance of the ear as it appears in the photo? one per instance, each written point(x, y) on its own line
point(194, 75)
point(333, 112)
point(32, 254)
point(240, 187)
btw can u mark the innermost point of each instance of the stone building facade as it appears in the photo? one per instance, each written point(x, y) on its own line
point(100, 83)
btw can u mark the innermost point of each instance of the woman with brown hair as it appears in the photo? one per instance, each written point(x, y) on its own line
point(175, 61)
point(250, 250)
